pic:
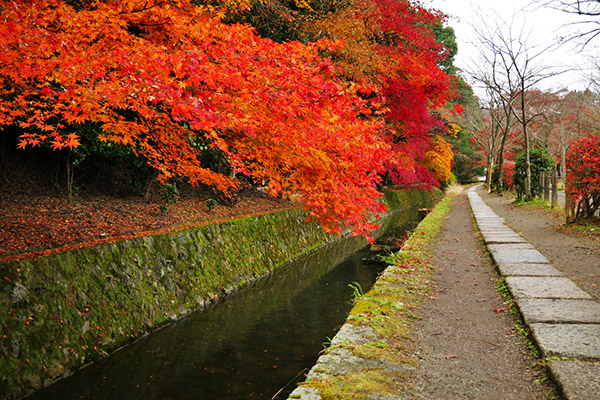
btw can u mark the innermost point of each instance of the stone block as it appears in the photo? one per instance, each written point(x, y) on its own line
point(542, 287)
point(568, 340)
point(510, 246)
point(560, 311)
point(528, 269)
point(493, 238)
point(578, 380)
point(519, 256)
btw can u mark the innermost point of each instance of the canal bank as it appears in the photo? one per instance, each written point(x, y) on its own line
point(368, 358)
point(63, 311)
point(434, 326)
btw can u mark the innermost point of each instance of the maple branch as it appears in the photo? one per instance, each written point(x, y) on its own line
point(145, 7)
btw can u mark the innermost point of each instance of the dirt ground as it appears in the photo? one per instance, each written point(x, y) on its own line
point(577, 256)
point(466, 340)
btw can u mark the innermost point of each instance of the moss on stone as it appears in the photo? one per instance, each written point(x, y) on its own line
point(357, 386)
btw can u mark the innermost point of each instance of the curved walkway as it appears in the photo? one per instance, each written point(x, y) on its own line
point(564, 320)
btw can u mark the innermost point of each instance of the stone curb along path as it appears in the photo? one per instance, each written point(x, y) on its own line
point(564, 320)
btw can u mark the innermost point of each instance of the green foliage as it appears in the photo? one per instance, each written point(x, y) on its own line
point(211, 204)
point(446, 36)
point(357, 292)
point(467, 161)
point(540, 160)
point(169, 192)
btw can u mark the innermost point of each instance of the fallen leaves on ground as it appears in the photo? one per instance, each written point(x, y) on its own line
point(31, 225)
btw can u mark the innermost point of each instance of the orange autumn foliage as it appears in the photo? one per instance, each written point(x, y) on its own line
point(161, 76)
point(168, 78)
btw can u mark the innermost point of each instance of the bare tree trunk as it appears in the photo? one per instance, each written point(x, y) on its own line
point(490, 168)
point(70, 177)
point(554, 188)
point(526, 140)
point(501, 187)
point(546, 185)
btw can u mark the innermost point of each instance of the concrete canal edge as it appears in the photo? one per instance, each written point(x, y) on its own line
point(61, 311)
point(365, 359)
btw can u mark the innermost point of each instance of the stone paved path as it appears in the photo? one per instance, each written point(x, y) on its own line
point(467, 345)
point(564, 320)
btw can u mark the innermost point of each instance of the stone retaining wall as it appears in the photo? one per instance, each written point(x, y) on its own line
point(62, 311)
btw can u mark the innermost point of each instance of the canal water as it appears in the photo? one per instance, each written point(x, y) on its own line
point(249, 345)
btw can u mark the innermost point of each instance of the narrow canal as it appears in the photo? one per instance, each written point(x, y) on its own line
point(247, 346)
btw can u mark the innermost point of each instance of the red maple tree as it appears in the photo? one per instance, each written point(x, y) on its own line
point(583, 177)
point(170, 79)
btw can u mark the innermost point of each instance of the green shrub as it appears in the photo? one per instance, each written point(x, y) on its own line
point(540, 160)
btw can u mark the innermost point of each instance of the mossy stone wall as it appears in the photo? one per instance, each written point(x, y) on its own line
point(64, 310)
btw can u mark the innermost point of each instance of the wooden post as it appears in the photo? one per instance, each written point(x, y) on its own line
point(546, 185)
point(554, 188)
point(541, 185)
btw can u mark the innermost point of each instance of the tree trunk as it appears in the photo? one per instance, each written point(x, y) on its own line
point(526, 140)
point(555, 188)
point(70, 177)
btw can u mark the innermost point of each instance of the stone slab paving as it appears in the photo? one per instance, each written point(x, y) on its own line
point(502, 238)
point(510, 246)
point(490, 222)
point(497, 230)
point(528, 269)
point(571, 374)
point(564, 320)
point(560, 311)
point(544, 287)
point(580, 341)
point(519, 256)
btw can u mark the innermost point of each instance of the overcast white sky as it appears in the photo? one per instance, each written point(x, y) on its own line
point(545, 27)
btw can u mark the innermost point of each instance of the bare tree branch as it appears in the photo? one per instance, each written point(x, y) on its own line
point(510, 67)
point(589, 10)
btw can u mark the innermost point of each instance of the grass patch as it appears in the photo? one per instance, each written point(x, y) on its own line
point(586, 227)
point(536, 202)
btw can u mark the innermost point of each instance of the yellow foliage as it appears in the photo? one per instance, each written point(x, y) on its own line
point(303, 4)
point(453, 129)
point(440, 158)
